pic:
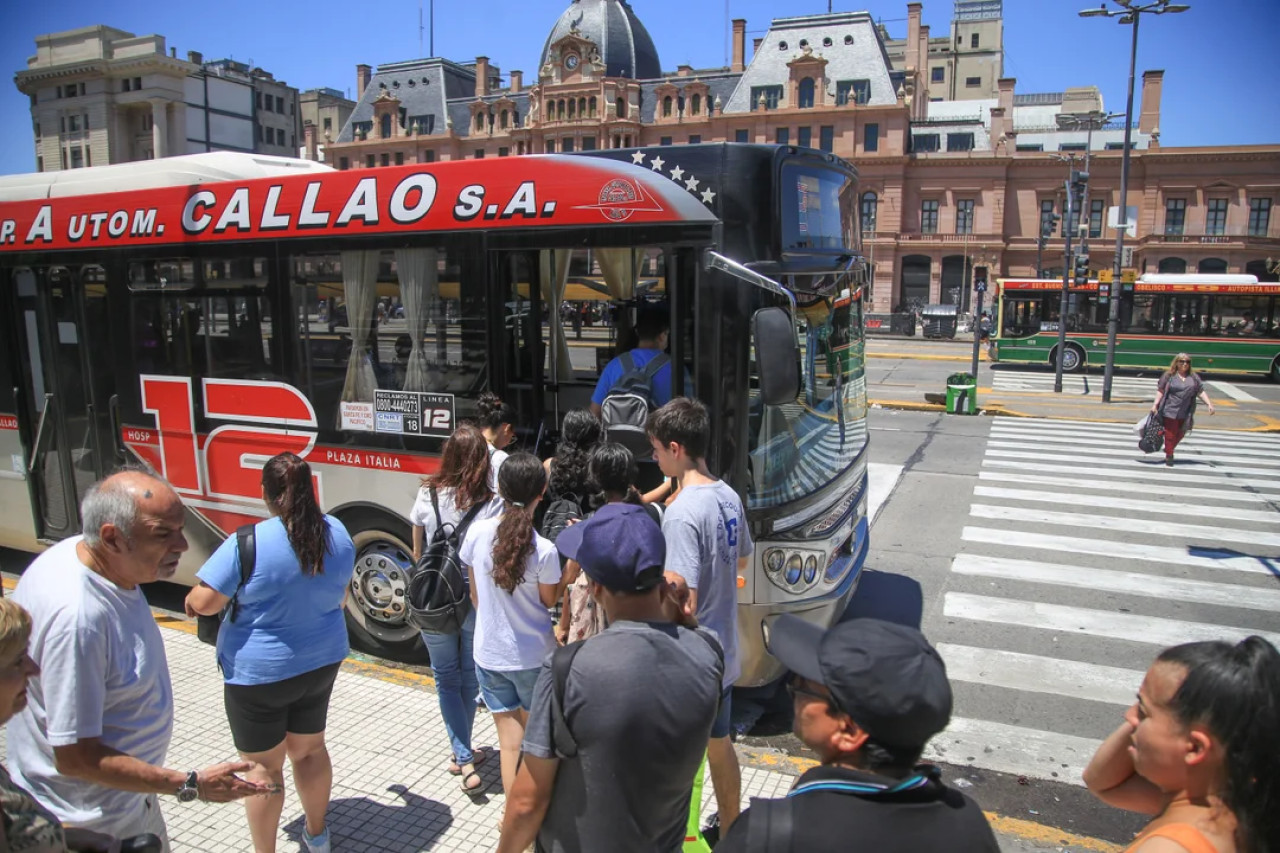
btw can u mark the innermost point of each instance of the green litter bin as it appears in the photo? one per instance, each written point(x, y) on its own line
point(962, 394)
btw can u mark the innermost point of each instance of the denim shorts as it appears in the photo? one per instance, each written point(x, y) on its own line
point(720, 728)
point(507, 690)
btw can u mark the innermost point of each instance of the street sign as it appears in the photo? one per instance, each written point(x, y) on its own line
point(1104, 277)
point(980, 287)
point(1128, 276)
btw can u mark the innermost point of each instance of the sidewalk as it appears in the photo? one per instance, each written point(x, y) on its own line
point(391, 791)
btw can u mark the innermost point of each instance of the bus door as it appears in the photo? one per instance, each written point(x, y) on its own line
point(70, 426)
point(517, 369)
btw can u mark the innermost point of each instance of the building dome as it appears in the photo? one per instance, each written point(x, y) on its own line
point(625, 46)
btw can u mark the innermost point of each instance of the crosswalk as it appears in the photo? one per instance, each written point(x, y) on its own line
point(1090, 385)
point(1080, 560)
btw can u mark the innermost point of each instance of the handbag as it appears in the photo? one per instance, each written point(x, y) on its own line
point(207, 627)
point(1152, 440)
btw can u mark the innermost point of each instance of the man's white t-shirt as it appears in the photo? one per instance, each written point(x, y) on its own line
point(103, 674)
point(513, 629)
point(496, 458)
point(424, 515)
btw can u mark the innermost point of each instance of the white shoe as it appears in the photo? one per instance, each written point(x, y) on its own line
point(316, 843)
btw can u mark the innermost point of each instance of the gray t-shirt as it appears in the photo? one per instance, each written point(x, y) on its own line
point(640, 700)
point(1179, 395)
point(706, 532)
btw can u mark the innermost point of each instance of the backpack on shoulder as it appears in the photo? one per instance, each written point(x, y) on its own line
point(438, 599)
point(560, 513)
point(626, 407)
point(207, 627)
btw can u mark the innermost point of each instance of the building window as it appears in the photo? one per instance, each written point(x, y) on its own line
point(695, 138)
point(551, 146)
point(430, 157)
point(922, 143)
point(805, 95)
point(328, 124)
point(280, 136)
point(771, 95)
point(137, 84)
point(260, 138)
point(804, 137)
point(929, 217)
point(292, 108)
point(279, 105)
point(1175, 216)
point(871, 137)
point(1119, 146)
point(972, 82)
point(567, 145)
point(867, 211)
point(1046, 217)
point(1259, 217)
point(344, 163)
point(502, 120)
point(73, 124)
point(853, 92)
point(740, 135)
point(369, 161)
point(588, 143)
point(77, 157)
point(385, 125)
point(1030, 147)
point(399, 158)
point(479, 122)
point(504, 151)
point(959, 141)
point(620, 108)
point(782, 135)
point(124, 84)
point(1096, 208)
point(964, 216)
point(695, 105)
point(1215, 222)
point(1071, 146)
point(666, 106)
point(386, 159)
point(666, 140)
point(826, 138)
point(479, 154)
point(257, 100)
point(39, 163)
point(973, 41)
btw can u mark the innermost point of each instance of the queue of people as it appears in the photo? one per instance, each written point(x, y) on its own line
point(603, 720)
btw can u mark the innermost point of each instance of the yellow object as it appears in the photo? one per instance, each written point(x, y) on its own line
point(1105, 276)
point(1128, 275)
point(693, 841)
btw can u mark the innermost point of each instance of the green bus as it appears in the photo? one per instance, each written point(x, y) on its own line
point(1227, 323)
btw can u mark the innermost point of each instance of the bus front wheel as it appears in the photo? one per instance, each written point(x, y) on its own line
point(375, 608)
point(1072, 358)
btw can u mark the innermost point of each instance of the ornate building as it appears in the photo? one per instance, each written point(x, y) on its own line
point(946, 182)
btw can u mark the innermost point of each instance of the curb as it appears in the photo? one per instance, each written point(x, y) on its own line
point(911, 356)
point(1269, 425)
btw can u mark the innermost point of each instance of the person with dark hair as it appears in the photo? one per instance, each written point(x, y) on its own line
point(515, 576)
point(1198, 750)
point(462, 482)
point(280, 655)
point(708, 544)
point(868, 696)
point(653, 330)
point(497, 421)
point(91, 742)
point(580, 432)
point(1175, 403)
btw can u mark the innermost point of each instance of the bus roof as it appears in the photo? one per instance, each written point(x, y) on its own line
point(149, 174)
point(1197, 278)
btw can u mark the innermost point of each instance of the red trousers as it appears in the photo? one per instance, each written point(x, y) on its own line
point(1174, 430)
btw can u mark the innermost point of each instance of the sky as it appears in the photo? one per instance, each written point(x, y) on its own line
point(1216, 91)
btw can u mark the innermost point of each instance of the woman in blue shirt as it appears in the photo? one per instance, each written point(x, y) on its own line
point(280, 653)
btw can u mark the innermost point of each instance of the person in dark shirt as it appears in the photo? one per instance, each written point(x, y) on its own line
point(868, 696)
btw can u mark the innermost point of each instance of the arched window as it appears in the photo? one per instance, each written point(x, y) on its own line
point(515, 118)
point(1259, 269)
point(551, 110)
point(582, 107)
point(695, 105)
point(385, 126)
point(479, 121)
point(591, 106)
point(620, 107)
point(1213, 266)
point(868, 212)
point(572, 108)
point(1176, 266)
point(666, 107)
point(560, 109)
point(502, 119)
point(806, 93)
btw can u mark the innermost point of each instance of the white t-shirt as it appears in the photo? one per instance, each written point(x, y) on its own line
point(496, 458)
point(513, 629)
point(103, 674)
point(424, 515)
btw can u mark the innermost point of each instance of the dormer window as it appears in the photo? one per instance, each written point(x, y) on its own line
point(782, 45)
point(848, 39)
point(826, 42)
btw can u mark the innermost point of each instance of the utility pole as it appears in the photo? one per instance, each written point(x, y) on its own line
point(1068, 227)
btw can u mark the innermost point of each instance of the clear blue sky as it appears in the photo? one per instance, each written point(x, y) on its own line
point(1217, 88)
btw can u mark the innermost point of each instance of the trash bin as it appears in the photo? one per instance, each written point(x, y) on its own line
point(939, 321)
point(962, 394)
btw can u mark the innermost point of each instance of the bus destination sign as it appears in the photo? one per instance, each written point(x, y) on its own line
point(420, 413)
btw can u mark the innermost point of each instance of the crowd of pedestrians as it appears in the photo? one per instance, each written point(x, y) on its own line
point(604, 714)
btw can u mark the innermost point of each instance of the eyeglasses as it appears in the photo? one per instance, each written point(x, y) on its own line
point(1184, 361)
point(795, 687)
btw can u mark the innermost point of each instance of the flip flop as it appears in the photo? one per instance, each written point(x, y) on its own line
point(478, 757)
point(469, 789)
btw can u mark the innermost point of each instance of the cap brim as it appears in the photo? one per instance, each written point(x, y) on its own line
point(795, 642)
point(570, 540)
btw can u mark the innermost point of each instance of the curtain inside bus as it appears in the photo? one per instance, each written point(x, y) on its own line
point(419, 273)
point(555, 278)
point(359, 287)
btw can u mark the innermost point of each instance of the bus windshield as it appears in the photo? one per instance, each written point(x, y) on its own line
point(798, 448)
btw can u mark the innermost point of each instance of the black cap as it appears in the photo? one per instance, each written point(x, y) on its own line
point(885, 676)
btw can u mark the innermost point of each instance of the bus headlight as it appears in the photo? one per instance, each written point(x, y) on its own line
point(793, 571)
point(810, 569)
point(773, 560)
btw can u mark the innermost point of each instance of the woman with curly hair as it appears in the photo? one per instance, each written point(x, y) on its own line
point(1197, 751)
point(567, 475)
point(515, 576)
point(497, 421)
point(446, 497)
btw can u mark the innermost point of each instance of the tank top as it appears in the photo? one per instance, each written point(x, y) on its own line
point(1183, 833)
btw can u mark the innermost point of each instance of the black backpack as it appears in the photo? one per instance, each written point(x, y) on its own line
point(560, 512)
point(438, 599)
point(627, 405)
point(207, 627)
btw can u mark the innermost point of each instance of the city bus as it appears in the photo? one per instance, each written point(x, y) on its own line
point(1227, 323)
point(196, 315)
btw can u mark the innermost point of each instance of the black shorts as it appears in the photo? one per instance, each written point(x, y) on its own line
point(262, 714)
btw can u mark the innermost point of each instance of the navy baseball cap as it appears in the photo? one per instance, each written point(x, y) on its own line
point(620, 547)
point(885, 676)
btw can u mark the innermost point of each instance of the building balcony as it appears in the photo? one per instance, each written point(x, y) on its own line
point(951, 239)
point(1237, 240)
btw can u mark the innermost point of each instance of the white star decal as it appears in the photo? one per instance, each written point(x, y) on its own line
point(692, 184)
point(676, 174)
point(657, 164)
point(707, 195)
point(637, 157)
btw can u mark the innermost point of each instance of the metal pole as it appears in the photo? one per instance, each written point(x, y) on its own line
point(1117, 289)
point(977, 336)
point(432, 30)
point(1040, 251)
point(1066, 279)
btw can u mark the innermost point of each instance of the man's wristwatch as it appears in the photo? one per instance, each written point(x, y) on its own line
point(190, 789)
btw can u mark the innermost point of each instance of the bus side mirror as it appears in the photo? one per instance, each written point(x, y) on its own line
point(777, 356)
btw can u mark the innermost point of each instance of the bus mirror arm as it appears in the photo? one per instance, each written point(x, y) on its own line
point(117, 433)
point(716, 261)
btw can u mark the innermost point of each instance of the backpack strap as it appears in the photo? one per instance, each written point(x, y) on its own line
point(561, 662)
point(655, 364)
point(246, 551)
point(435, 505)
point(628, 363)
point(770, 827)
point(460, 529)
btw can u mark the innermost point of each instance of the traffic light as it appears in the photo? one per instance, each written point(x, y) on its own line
point(1082, 269)
point(1048, 225)
point(980, 279)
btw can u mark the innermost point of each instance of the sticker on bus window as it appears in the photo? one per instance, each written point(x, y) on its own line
point(357, 417)
point(414, 413)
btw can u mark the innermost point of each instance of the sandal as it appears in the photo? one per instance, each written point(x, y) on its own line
point(478, 757)
point(475, 789)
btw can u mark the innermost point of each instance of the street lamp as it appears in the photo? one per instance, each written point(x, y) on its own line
point(1128, 13)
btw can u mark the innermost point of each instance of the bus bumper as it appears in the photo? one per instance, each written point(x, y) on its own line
point(758, 666)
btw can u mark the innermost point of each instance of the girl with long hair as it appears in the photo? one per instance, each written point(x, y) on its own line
point(567, 475)
point(280, 653)
point(461, 483)
point(1197, 751)
point(497, 421)
point(1176, 401)
point(515, 576)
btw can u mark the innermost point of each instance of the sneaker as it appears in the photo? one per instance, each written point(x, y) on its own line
point(1168, 460)
point(316, 843)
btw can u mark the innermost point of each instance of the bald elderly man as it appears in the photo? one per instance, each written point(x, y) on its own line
point(91, 743)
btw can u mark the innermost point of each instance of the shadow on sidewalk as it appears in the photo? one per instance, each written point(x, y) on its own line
point(361, 823)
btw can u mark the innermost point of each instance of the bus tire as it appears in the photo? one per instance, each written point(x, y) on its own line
point(1072, 360)
point(375, 609)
